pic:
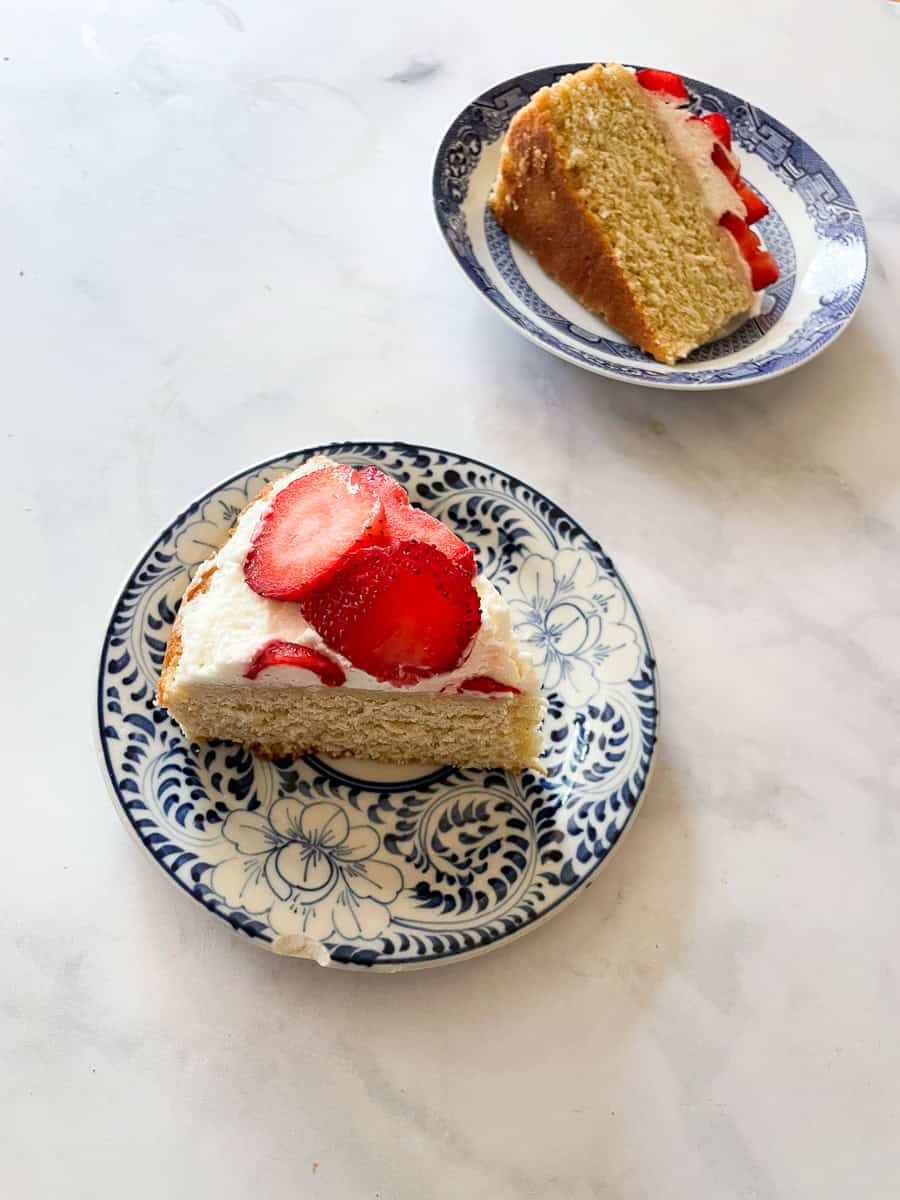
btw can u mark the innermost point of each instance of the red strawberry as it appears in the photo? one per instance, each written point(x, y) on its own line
point(662, 81)
point(755, 206)
point(484, 683)
point(741, 232)
point(717, 123)
point(725, 164)
point(403, 523)
point(290, 654)
point(312, 525)
point(385, 487)
point(400, 612)
point(763, 268)
point(414, 525)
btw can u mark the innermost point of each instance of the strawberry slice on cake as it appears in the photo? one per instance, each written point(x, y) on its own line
point(340, 618)
point(309, 528)
point(403, 523)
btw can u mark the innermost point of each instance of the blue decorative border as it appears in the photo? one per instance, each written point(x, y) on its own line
point(833, 215)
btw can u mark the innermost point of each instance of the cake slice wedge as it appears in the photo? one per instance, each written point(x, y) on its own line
point(339, 618)
point(635, 205)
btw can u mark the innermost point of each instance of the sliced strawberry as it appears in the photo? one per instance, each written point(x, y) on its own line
point(311, 526)
point(725, 164)
point(385, 487)
point(756, 207)
point(718, 125)
point(290, 654)
point(763, 270)
point(484, 683)
point(662, 81)
point(403, 523)
point(401, 612)
point(414, 525)
point(742, 233)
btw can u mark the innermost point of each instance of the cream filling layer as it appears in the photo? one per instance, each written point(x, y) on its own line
point(225, 626)
point(693, 143)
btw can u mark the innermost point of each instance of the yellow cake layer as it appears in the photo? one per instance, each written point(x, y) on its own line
point(464, 731)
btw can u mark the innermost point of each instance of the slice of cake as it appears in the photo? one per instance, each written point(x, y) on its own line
point(635, 206)
point(339, 618)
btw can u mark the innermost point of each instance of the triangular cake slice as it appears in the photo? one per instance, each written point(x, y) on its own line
point(341, 619)
point(636, 206)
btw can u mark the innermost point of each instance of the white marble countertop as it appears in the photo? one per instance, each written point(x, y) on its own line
point(219, 244)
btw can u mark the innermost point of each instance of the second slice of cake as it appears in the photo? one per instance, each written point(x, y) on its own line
point(339, 618)
point(636, 206)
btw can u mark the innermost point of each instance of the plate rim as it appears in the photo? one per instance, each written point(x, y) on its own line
point(263, 943)
point(608, 372)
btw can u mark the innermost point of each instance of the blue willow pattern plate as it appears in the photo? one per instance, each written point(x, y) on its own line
point(360, 864)
point(813, 229)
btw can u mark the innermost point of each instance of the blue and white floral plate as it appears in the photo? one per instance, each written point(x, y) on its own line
point(813, 229)
point(352, 863)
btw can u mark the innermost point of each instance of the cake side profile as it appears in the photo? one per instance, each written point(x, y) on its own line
point(634, 206)
point(391, 649)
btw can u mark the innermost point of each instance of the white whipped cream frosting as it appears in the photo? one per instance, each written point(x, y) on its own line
point(224, 627)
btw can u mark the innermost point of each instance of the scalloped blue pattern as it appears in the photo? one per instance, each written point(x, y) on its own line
point(831, 212)
point(412, 867)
